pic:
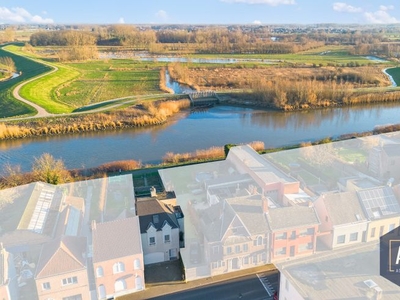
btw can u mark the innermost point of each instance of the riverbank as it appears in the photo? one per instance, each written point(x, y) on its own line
point(15, 177)
point(139, 115)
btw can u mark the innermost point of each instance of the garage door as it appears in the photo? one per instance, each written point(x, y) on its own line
point(153, 258)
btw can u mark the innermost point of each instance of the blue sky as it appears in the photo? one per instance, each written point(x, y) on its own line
point(200, 11)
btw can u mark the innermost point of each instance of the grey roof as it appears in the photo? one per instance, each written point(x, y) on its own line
point(115, 239)
point(148, 209)
point(250, 212)
point(379, 202)
point(291, 217)
point(343, 208)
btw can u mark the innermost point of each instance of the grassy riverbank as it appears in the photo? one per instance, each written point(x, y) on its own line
point(139, 115)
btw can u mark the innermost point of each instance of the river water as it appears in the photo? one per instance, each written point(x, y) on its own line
point(199, 130)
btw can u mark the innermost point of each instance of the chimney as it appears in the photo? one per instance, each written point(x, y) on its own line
point(153, 192)
point(264, 204)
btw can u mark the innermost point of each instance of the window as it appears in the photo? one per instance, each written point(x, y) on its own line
point(246, 260)
point(259, 241)
point(156, 219)
point(102, 291)
point(293, 235)
point(152, 240)
point(46, 286)
point(255, 259)
point(341, 239)
point(281, 236)
point(167, 238)
point(245, 247)
point(237, 249)
point(118, 267)
point(136, 264)
point(229, 250)
point(381, 230)
point(373, 232)
point(120, 285)
point(354, 236)
point(215, 249)
point(99, 272)
point(70, 280)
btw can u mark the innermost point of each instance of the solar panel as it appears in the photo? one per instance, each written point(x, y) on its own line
point(41, 210)
point(379, 202)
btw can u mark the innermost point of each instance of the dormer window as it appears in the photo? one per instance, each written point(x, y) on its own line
point(156, 219)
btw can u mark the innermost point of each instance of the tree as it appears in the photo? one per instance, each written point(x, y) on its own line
point(48, 169)
point(7, 63)
point(12, 176)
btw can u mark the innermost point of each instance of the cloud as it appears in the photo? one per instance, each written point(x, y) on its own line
point(257, 22)
point(344, 7)
point(21, 15)
point(162, 14)
point(380, 16)
point(268, 2)
point(383, 7)
point(121, 20)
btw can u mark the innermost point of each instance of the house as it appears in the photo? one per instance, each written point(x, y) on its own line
point(382, 210)
point(8, 276)
point(384, 161)
point(235, 234)
point(273, 182)
point(117, 257)
point(61, 271)
point(293, 231)
point(344, 273)
point(342, 219)
point(159, 229)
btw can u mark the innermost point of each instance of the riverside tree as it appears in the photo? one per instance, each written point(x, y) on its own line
point(48, 169)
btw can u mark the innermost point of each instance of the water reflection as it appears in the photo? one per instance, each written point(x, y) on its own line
point(187, 132)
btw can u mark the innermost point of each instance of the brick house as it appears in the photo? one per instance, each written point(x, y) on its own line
point(62, 271)
point(117, 257)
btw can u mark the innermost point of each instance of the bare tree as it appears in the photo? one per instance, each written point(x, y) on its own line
point(48, 169)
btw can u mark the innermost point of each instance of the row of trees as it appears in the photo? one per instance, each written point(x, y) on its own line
point(7, 63)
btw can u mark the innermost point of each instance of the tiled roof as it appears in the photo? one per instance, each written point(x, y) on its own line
point(148, 208)
point(115, 239)
point(292, 217)
point(250, 212)
point(343, 208)
point(61, 255)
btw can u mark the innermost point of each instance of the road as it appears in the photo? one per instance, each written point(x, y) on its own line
point(247, 287)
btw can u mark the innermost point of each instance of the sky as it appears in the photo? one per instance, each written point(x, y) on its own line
point(199, 11)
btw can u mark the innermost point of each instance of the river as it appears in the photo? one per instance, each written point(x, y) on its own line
point(190, 131)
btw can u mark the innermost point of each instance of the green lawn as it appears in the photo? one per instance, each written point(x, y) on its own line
point(9, 106)
point(352, 155)
point(110, 79)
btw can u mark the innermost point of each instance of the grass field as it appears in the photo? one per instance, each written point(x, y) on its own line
point(395, 73)
point(322, 55)
point(110, 79)
point(9, 106)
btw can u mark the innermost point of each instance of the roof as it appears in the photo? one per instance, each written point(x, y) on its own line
point(379, 202)
point(339, 274)
point(155, 212)
point(116, 239)
point(25, 237)
point(343, 208)
point(249, 210)
point(215, 221)
point(288, 217)
point(77, 202)
point(61, 255)
point(392, 150)
point(259, 165)
point(69, 221)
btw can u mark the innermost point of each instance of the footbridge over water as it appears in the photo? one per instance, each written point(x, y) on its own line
point(203, 98)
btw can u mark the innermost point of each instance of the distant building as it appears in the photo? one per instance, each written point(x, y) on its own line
point(117, 257)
